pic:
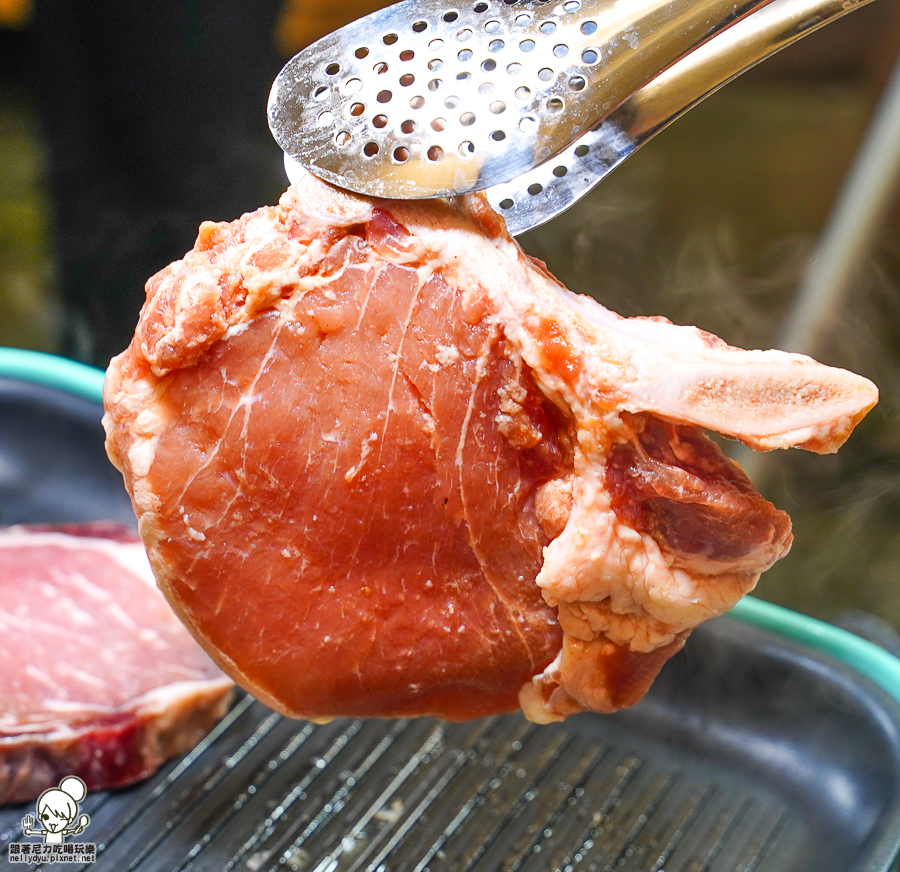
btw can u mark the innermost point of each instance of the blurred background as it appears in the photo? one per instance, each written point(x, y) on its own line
point(123, 126)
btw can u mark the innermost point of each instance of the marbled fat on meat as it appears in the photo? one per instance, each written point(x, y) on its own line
point(97, 677)
point(384, 464)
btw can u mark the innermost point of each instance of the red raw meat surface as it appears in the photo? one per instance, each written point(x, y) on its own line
point(384, 464)
point(97, 677)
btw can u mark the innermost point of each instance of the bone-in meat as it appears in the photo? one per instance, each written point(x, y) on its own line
point(384, 464)
point(97, 677)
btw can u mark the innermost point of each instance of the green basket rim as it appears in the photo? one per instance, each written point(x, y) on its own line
point(865, 657)
point(52, 370)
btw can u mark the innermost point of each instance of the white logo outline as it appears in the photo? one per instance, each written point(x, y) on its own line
point(57, 809)
point(58, 817)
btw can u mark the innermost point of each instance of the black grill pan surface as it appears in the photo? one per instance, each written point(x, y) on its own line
point(748, 754)
point(751, 752)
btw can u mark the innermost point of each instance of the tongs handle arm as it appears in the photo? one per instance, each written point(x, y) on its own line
point(731, 53)
point(550, 189)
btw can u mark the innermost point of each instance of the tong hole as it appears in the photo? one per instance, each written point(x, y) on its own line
point(545, 74)
point(357, 109)
point(467, 119)
point(384, 96)
point(492, 26)
point(560, 51)
point(417, 102)
point(435, 64)
point(535, 189)
point(407, 79)
point(450, 16)
point(498, 106)
point(351, 86)
point(523, 93)
point(506, 204)
point(434, 84)
point(466, 148)
point(361, 52)
point(528, 124)
point(555, 105)
point(325, 118)
point(341, 138)
point(407, 54)
point(581, 150)
point(486, 88)
point(588, 27)
point(463, 77)
point(464, 34)
point(436, 44)
point(496, 44)
point(465, 55)
point(480, 7)
point(401, 154)
point(380, 121)
point(590, 56)
point(435, 153)
point(419, 26)
point(514, 68)
point(452, 102)
point(489, 65)
point(390, 38)
point(381, 68)
point(526, 44)
point(577, 83)
point(559, 171)
point(547, 26)
point(408, 126)
point(439, 124)
point(370, 149)
point(321, 93)
point(498, 136)
point(523, 18)
point(332, 69)
point(572, 5)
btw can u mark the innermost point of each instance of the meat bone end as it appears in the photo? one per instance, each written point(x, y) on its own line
point(384, 464)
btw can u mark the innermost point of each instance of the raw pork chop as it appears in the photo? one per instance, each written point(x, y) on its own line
point(97, 677)
point(384, 464)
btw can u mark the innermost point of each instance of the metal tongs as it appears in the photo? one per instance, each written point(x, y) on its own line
point(536, 102)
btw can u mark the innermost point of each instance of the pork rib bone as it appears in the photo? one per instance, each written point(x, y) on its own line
point(547, 451)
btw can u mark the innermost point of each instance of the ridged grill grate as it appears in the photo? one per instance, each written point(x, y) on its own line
point(267, 793)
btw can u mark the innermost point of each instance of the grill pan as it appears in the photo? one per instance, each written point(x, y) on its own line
point(770, 743)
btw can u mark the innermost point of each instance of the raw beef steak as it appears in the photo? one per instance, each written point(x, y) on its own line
point(384, 464)
point(97, 677)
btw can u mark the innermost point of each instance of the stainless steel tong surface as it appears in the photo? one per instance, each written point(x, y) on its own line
point(466, 124)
